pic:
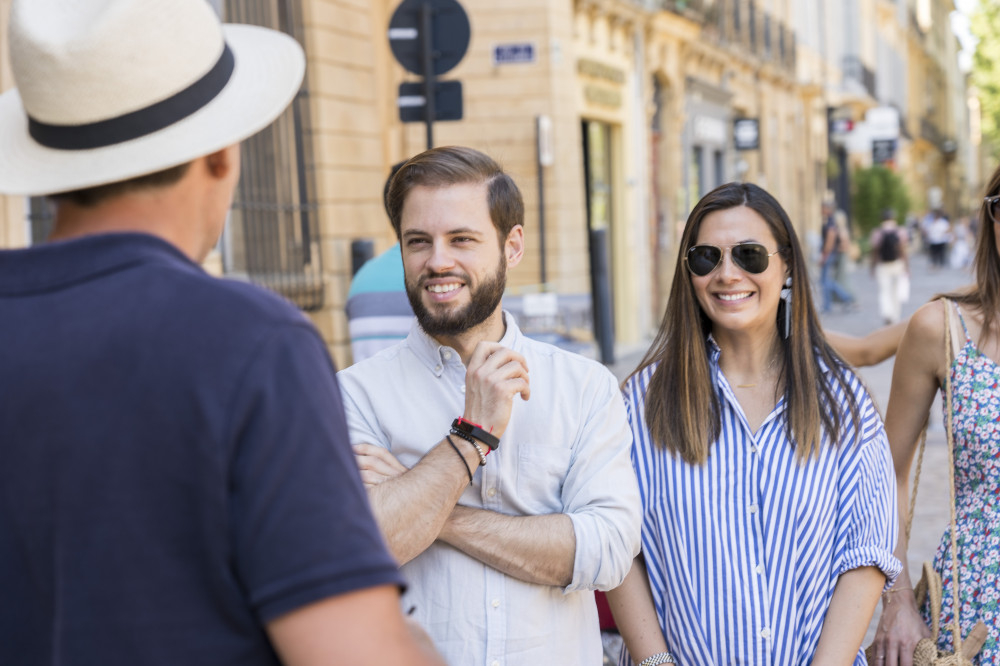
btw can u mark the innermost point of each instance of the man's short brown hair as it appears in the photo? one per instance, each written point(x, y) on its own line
point(92, 196)
point(457, 165)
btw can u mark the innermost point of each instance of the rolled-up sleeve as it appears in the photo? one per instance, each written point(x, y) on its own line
point(872, 527)
point(600, 494)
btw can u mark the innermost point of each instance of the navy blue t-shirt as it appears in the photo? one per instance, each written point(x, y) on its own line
point(175, 468)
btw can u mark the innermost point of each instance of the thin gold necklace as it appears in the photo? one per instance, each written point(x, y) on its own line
point(769, 369)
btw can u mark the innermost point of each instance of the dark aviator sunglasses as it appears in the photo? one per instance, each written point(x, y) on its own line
point(751, 257)
point(993, 207)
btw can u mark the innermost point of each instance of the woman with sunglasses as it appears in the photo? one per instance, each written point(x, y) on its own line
point(975, 394)
point(765, 474)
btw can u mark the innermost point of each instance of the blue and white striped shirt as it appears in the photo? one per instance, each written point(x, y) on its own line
point(744, 551)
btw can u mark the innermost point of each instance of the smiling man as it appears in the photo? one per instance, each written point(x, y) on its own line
point(497, 466)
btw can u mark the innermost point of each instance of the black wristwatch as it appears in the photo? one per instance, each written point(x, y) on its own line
point(474, 430)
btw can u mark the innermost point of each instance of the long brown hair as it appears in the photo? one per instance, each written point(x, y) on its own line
point(682, 407)
point(986, 295)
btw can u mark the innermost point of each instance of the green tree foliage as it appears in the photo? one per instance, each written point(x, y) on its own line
point(985, 26)
point(875, 189)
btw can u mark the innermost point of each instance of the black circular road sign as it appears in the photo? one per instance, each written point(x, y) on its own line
point(450, 32)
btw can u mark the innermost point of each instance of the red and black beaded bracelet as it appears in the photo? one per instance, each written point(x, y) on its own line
point(475, 430)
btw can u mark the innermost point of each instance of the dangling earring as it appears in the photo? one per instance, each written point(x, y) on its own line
point(786, 296)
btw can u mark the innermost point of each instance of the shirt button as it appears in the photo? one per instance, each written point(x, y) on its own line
point(437, 367)
point(447, 355)
point(765, 633)
point(753, 508)
point(495, 663)
point(496, 604)
point(463, 388)
point(759, 569)
point(753, 449)
point(492, 492)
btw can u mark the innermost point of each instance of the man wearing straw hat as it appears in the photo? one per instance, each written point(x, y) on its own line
point(174, 487)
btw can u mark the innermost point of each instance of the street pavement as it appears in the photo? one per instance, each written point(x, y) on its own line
point(932, 510)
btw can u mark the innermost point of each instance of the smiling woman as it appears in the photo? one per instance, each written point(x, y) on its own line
point(763, 466)
point(741, 292)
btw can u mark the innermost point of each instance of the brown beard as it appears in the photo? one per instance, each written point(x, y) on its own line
point(483, 302)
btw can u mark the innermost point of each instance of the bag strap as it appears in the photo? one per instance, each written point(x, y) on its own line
point(916, 481)
point(956, 632)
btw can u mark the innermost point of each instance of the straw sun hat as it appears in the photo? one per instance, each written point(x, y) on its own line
point(108, 90)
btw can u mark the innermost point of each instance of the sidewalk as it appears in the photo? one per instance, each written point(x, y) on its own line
point(932, 510)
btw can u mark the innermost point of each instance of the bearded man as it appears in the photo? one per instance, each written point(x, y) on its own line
point(505, 512)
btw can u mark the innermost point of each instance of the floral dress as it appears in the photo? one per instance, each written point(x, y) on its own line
point(975, 385)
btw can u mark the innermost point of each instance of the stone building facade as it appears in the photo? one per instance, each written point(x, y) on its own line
point(644, 106)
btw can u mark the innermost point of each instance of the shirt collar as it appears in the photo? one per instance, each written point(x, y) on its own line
point(437, 357)
point(57, 264)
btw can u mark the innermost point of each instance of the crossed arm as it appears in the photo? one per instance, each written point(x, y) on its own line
point(415, 507)
point(586, 541)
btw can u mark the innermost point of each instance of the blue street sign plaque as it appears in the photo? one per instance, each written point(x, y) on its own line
point(518, 53)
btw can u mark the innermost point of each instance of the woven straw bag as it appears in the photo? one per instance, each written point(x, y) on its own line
point(926, 652)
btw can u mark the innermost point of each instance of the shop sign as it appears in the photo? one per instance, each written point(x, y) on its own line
point(600, 70)
point(883, 150)
point(602, 96)
point(746, 133)
point(883, 122)
point(709, 128)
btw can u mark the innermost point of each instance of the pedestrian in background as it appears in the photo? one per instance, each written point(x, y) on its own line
point(961, 244)
point(831, 259)
point(890, 266)
point(938, 239)
point(176, 483)
point(765, 473)
point(919, 373)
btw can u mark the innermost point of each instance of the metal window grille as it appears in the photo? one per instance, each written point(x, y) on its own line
point(767, 35)
point(41, 218)
point(273, 235)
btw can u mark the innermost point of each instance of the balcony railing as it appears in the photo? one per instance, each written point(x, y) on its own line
point(855, 70)
point(742, 25)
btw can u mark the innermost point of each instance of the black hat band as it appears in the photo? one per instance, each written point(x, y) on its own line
point(138, 123)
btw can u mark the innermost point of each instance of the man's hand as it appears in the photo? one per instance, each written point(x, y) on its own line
point(495, 374)
point(376, 464)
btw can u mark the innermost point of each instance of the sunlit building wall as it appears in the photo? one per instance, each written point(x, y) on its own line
point(641, 99)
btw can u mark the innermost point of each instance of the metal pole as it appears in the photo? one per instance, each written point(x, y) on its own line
point(305, 226)
point(541, 200)
point(427, 55)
